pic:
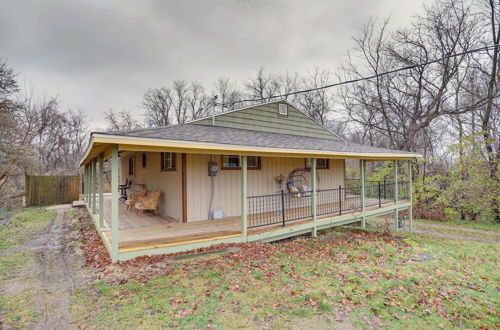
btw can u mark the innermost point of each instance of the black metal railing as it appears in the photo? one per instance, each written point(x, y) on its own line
point(283, 207)
point(403, 190)
point(339, 200)
point(278, 208)
point(386, 188)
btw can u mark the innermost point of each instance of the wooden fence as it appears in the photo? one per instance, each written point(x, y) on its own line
point(51, 190)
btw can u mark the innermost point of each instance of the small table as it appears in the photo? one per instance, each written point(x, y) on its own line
point(123, 191)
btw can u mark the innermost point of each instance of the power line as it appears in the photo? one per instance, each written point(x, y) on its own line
point(482, 49)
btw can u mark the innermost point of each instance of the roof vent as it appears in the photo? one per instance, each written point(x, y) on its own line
point(283, 109)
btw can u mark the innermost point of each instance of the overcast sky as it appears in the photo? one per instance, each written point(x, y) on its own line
point(101, 55)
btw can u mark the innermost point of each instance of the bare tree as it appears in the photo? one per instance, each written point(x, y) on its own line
point(288, 83)
point(227, 93)
point(35, 137)
point(177, 104)
point(158, 103)
point(121, 121)
point(398, 110)
point(198, 102)
point(492, 12)
point(263, 86)
point(318, 103)
point(180, 89)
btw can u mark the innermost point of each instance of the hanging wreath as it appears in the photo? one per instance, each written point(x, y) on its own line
point(298, 181)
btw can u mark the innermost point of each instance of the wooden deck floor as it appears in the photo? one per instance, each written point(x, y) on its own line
point(149, 231)
point(130, 219)
point(139, 238)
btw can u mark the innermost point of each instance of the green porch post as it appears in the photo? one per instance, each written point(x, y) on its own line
point(114, 203)
point(396, 211)
point(87, 184)
point(89, 203)
point(88, 187)
point(314, 196)
point(84, 180)
point(93, 186)
point(362, 169)
point(244, 197)
point(101, 190)
point(410, 194)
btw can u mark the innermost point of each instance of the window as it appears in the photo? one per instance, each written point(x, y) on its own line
point(131, 166)
point(253, 162)
point(232, 162)
point(321, 163)
point(144, 160)
point(283, 109)
point(168, 161)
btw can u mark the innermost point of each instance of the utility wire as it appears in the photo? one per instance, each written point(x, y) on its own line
point(482, 49)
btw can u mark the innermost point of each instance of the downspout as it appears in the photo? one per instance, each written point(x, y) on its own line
point(212, 178)
point(212, 189)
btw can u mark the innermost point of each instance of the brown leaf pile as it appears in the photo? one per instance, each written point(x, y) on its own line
point(96, 255)
point(251, 256)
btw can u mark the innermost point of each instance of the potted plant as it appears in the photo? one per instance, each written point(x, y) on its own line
point(279, 179)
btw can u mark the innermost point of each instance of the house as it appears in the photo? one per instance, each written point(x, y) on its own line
point(240, 176)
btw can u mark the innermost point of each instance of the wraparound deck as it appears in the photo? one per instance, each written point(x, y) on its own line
point(148, 232)
point(263, 218)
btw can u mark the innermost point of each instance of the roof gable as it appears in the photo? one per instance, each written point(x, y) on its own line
point(265, 118)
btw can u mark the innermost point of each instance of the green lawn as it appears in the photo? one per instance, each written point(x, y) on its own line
point(458, 228)
point(341, 279)
point(464, 224)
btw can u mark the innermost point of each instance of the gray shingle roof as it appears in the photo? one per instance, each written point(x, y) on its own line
point(243, 137)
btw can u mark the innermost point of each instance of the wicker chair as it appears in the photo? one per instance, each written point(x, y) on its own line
point(150, 202)
point(133, 198)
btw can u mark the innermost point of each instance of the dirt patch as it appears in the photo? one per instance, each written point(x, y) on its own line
point(59, 272)
point(54, 272)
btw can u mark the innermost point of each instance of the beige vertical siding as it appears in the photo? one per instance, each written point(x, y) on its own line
point(169, 182)
point(227, 183)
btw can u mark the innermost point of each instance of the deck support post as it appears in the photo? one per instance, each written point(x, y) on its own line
point(85, 183)
point(101, 190)
point(89, 181)
point(244, 197)
point(362, 170)
point(396, 211)
point(93, 186)
point(114, 203)
point(314, 197)
point(410, 195)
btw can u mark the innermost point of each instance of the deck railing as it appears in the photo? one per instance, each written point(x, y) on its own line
point(283, 207)
point(278, 208)
point(339, 200)
point(386, 189)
